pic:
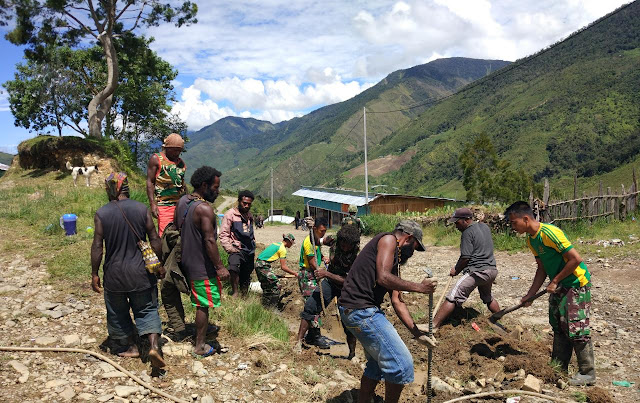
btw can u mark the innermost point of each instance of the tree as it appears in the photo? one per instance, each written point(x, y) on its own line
point(489, 178)
point(43, 23)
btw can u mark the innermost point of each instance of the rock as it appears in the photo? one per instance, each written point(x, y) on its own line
point(68, 394)
point(88, 340)
point(198, 369)
point(104, 398)
point(7, 288)
point(561, 384)
point(319, 389)
point(86, 396)
point(113, 374)
point(342, 376)
point(207, 399)
point(532, 384)
point(482, 382)
point(126, 391)
point(177, 350)
point(440, 386)
point(71, 340)
point(22, 369)
point(228, 377)
point(45, 340)
point(471, 388)
point(10, 323)
point(55, 383)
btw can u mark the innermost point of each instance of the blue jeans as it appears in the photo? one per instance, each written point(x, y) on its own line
point(388, 358)
point(143, 304)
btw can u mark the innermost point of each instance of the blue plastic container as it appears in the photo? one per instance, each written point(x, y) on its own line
point(68, 223)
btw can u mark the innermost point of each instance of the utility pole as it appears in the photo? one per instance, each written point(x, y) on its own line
point(271, 212)
point(366, 171)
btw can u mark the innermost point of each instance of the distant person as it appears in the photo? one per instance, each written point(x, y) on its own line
point(128, 286)
point(265, 272)
point(310, 261)
point(477, 263)
point(165, 186)
point(570, 289)
point(259, 221)
point(297, 219)
point(343, 254)
point(200, 257)
point(373, 275)
point(351, 219)
point(238, 239)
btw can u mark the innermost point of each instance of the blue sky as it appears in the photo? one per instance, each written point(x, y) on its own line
point(277, 59)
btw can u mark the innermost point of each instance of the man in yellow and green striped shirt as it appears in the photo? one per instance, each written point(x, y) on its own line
point(569, 286)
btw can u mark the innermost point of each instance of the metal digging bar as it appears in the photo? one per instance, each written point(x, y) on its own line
point(429, 273)
point(313, 242)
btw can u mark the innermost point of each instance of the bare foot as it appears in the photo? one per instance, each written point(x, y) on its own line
point(132, 352)
point(156, 359)
point(205, 350)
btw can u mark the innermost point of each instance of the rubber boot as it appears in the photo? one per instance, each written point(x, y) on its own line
point(562, 350)
point(586, 364)
point(314, 338)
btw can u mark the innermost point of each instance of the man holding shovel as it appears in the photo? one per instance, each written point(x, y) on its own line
point(570, 289)
point(476, 262)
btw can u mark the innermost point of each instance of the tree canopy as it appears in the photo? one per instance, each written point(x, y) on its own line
point(41, 25)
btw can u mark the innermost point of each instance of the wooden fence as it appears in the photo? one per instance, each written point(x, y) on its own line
point(609, 204)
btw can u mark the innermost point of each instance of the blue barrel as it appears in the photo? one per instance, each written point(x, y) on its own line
point(68, 223)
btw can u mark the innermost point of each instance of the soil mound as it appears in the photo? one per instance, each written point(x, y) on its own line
point(598, 395)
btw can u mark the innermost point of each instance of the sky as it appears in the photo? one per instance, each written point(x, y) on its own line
point(278, 59)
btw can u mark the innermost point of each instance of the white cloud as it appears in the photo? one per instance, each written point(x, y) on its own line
point(272, 100)
point(4, 101)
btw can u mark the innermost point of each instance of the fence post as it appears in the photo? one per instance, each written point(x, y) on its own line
point(600, 199)
point(634, 187)
point(545, 200)
point(610, 208)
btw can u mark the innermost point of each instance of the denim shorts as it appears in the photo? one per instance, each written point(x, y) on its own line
point(388, 358)
point(143, 304)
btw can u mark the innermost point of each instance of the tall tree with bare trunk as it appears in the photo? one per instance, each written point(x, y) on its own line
point(39, 23)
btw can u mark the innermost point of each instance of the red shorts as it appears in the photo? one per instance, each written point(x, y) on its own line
point(165, 216)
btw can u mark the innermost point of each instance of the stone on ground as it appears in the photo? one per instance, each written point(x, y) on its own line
point(440, 386)
point(22, 369)
point(68, 393)
point(71, 340)
point(45, 340)
point(532, 384)
point(126, 391)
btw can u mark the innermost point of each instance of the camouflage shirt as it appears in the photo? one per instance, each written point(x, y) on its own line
point(170, 184)
point(353, 220)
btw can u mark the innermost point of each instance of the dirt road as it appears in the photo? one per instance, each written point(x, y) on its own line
point(35, 311)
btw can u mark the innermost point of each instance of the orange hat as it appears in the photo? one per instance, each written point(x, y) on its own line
point(173, 140)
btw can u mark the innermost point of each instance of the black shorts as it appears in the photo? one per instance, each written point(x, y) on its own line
point(241, 263)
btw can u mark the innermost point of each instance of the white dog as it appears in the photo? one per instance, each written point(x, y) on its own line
point(85, 171)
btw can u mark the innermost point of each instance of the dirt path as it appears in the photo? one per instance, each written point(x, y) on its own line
point(226, 204)
point(36, 311)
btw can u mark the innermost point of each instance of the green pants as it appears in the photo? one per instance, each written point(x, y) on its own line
point(569, 311)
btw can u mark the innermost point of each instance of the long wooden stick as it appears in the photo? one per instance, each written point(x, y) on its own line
point(313, 242)
point(446, 288)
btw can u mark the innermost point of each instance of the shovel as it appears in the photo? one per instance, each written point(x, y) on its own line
point(493, 319)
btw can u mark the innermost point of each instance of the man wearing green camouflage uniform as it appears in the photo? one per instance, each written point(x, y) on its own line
point(351, 219)
point(570, 289)
point(266, 275)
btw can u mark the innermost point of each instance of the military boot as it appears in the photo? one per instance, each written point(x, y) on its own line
point(562, 350)
point(314, 338)
point(586, 364)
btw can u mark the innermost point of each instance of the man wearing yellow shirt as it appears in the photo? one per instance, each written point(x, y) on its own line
point(266, 275)
point(569, 286)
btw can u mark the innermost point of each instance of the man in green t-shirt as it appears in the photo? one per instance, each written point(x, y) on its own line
point(569, 286)
point(268, 279)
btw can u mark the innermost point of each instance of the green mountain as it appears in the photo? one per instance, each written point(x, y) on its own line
point(245, 149)
point(6, 158)
point(574, 107)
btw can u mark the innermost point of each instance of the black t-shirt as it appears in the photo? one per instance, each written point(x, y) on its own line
point(123, 267)
point(195, 260)
point(360, 289)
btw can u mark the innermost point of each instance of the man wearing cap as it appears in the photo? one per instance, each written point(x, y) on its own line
point(165, 186)
point(476, 262)
point(351, 219)
point(268, 279)
point(375, 273)
point(165, 180)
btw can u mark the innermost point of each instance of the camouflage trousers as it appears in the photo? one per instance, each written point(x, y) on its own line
point(307, 283)
point(268, 282)
point(569, 311)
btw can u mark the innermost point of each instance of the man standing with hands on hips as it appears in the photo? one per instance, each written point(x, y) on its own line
point(476, 262)
point(374, 274)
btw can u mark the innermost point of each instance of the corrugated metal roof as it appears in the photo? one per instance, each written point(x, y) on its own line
point(332, 197)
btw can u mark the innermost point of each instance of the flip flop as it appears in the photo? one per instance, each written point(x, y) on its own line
point(156, 359)
point(211, 351)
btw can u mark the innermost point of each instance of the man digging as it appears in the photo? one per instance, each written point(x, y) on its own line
point(476, 262)
point(570, 289)
point(269, 281)
point(373, 275)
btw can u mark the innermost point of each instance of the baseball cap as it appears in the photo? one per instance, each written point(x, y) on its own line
point(462, 212)
point(290, 237)
point(173, 140)
point(412, 228)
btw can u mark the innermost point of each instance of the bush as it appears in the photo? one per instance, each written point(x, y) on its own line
point(377, 223)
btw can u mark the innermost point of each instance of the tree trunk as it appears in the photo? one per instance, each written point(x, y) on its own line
point(101, 102)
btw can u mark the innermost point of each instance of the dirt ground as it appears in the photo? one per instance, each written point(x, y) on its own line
point(249, 371)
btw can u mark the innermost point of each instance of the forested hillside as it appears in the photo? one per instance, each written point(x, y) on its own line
point(5, 158)
point(254, 146)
